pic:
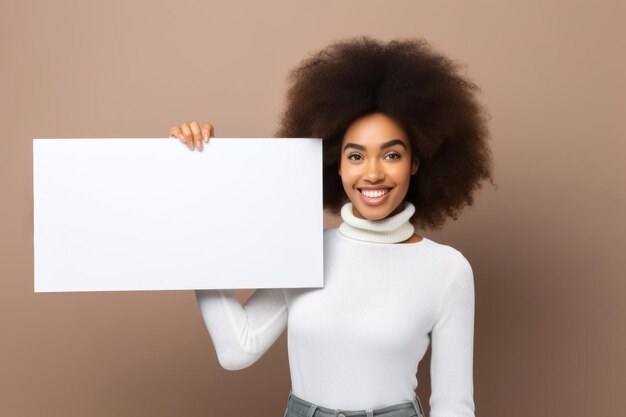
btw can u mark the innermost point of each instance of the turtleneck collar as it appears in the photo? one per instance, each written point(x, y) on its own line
point(393, 229)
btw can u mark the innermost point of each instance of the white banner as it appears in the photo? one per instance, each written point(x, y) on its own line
point(150, 214)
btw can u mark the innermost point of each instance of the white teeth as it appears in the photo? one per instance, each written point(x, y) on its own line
point(371, 193)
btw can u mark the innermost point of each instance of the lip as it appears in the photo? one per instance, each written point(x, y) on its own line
point(374, 201)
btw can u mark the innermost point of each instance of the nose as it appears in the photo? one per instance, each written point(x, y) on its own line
point(373, 171)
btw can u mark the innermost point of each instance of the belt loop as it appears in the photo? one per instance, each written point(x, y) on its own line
point(369, 413)
point(311, 410)
point(418, 405)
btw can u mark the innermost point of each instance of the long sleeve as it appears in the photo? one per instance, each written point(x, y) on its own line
point(452, 388)
point(242, 334)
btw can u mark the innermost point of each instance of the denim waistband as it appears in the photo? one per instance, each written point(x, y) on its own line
point(299, 407)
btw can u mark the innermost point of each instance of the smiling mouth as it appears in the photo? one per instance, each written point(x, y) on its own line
point(374, 193)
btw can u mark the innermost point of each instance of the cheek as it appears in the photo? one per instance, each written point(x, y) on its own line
point(346, 180)
point(402, 175)
point(347, 173)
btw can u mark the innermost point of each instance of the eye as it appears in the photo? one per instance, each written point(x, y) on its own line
point(395, 154)
point(351, 155)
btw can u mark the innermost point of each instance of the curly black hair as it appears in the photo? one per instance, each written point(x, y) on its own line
point(417, 87)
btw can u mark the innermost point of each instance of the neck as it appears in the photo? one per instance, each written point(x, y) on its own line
point(392, 229)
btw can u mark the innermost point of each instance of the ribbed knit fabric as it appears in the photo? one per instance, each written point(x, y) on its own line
point(392, 229)
point(356, 343)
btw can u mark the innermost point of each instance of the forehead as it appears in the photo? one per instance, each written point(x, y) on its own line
point(376, 127)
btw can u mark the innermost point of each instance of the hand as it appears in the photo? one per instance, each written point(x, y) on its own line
point(191, 135)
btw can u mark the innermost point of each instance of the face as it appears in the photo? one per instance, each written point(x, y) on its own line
point(376, 166)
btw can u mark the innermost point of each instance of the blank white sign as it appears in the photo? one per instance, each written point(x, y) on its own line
point(149, 214)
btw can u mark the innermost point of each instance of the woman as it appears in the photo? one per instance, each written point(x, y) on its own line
point(405, 145)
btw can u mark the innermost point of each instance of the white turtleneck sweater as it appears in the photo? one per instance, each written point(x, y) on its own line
point(356, 343)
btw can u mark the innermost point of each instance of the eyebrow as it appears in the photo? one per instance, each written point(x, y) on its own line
point(383, 146)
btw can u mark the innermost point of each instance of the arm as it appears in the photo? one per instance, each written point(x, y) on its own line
point(242, 334)
point(451, 366)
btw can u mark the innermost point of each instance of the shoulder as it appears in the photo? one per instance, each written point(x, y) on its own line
point(455, 263)
point(330, 233)
point(457, 296)
point(331, 239)
point(450, 254)
point(460, 283)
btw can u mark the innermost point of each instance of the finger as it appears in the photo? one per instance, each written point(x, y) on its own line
point(197, 134)
point(207, 132)
point(188, 135)
point(176, 133)
point(195, 130)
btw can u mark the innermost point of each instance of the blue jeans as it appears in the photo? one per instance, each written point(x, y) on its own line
point(297, 407)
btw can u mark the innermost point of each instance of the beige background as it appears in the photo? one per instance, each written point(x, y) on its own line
point(547, 246)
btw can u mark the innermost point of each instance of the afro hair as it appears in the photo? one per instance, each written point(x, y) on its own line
point(421, 90)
